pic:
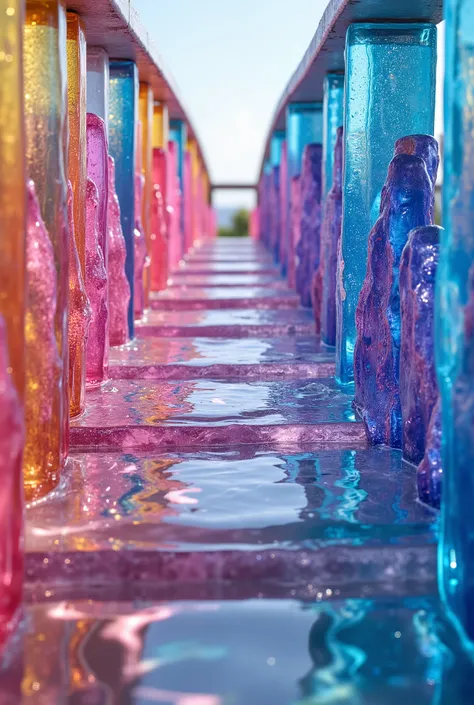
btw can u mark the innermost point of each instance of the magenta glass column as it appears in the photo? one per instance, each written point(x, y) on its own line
point(97, 355)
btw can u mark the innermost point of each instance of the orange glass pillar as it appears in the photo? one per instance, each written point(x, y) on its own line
point(45, 114)
point(12, 186)
point(194, 153)
point(145, 116)
point(12, 303)
point(77, 175)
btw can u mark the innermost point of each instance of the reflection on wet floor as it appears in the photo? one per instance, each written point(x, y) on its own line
point(257, 652)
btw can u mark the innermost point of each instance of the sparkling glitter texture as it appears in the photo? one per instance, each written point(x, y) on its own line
point(96, 289)
point(119, 287)
point(123, 111)
point(455, 321)
point(11, 498)
point(12, 185)
point(160, 217)
point(44, 370)
point(389, 93)
point(145, 108)
point(98, 172)
point(79, 320)
point(46, 141)
point(98, 82)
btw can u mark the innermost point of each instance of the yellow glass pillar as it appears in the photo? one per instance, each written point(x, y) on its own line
point(45, 114)
point(12, 185)
point(161, 126)
point(145, 116)
point(77, 175)
point(192, 148)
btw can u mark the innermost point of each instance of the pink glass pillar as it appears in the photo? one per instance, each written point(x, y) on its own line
point(96, 289)
point(188, 203)
point(174, 207)
point(159, 222)
point(139, 241)
point(119, 288)
point(79, 315)
point(11, 496)
point(97, 355)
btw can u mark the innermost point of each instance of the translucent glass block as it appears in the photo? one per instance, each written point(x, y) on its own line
point(178, 134)
point(304, 125)
point(146, 119)
point(333, 117)
point(45, 114)
point(161, 126)
point(276, 145)
point(98, 82)
point(77, 175)
point(12, 188)
point(455, 331)
point(123, 111)
point(389, 93)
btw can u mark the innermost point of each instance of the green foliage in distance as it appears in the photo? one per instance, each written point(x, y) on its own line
point(239, 227)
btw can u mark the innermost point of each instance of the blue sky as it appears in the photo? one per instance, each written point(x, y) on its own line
point(231, 60)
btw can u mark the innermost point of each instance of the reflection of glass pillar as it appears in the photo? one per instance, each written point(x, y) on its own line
point(336, 663)
point(333, 117)
point(123, 110)
point(178, 134)
point(455, 321)
point(304, 125)
point(389, 93)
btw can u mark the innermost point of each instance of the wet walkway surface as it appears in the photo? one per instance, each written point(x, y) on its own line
point(223, 534)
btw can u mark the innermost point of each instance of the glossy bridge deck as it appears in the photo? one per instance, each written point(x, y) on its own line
point(221, 508)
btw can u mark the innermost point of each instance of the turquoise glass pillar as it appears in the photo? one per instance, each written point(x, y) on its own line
point(276, 145)
point(304, 125)
point(455, 323)
point(389, 93)
point(123, 111)
point(333, 117)
point(178, 133)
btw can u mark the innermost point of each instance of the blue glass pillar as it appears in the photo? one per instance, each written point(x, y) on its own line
point(389, 93)
point(276, 148)
point(178, 132)
point(333, 117)
point(276, 145)
point(455, 322)
point(304, 125)
point(123, 112)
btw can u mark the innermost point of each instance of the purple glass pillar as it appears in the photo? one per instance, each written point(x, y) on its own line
point(330, 237)
point(98, 172)
point(96, 289)
point(308, 249)
point(295, 228)
point(275, 228)
point(418, 387)
point(407, 199)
